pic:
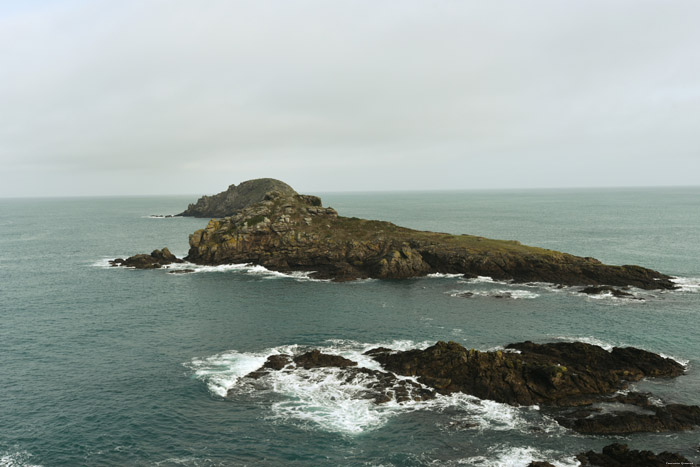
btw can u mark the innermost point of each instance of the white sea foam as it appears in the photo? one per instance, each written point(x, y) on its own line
point(16, 459)
point(221, 372)
point(501, 455)
point(483, 279)
point(682, 361)
point(515, 294)
point(588, 340)
point(329, 399)
point(440, 275)
point(102, 262)
point(245, 268)
point(687, 284)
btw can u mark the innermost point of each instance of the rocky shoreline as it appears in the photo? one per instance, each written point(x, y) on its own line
point(285, 231)
point(581, 386)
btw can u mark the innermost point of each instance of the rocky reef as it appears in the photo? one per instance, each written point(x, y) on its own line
point(617, 455)
point(157, 259)
point(580, 385)
point(235, 198)
point(286, 231)
point(620, 455)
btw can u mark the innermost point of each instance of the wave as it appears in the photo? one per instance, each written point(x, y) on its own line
point(331, 400)
point(501, 455)
point(687, 284)
point(246, 268)
point(16, 459)
point(440, 275)
point(589, 340)
point(514, 294)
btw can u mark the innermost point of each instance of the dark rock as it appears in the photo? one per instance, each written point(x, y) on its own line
point(316, 359)
point(619, 455)
point(377, 350)
point(380, 386)
point(601, 289)
point(235, 198)
point(672, 417)
point(156, 259)
point(540, 464)
point(465, 294)
point(557, 376)
point(181, 271)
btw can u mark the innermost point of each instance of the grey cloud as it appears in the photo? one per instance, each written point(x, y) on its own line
point(348, 95)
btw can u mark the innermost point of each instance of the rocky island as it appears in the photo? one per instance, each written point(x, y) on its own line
point(266, 222)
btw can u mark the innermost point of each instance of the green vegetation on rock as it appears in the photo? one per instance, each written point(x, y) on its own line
point(285, 231)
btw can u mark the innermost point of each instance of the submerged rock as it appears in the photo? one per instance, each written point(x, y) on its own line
point(617, 455)
point(603, 289)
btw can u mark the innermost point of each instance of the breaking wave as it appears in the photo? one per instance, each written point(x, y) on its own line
point(501, 455)
point(514, 294)
point(331, 400)
point(16, 459)
point(687, 284)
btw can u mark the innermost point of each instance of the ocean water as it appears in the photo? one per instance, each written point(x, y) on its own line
point(106, 366)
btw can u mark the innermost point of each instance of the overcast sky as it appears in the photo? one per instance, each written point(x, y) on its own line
point(167, 96)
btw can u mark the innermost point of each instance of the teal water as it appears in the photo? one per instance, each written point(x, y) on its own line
point(104, 366)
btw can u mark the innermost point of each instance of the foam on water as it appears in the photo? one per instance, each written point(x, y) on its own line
point(510, 456)
point(246, 268)
point(330, 399)
point(440, 275)
point(588, 340)
point(687, 284)
point(16, 459)
point(514, 294)
point(221, 372)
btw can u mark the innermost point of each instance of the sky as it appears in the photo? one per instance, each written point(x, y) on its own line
point(168, 96)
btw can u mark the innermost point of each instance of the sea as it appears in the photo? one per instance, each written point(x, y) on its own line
point(103, 366)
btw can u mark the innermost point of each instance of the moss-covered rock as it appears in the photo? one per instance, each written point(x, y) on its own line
point(287, 231)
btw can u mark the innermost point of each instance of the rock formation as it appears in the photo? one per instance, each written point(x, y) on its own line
point(558, 374)
point(235, 198)
point(269, 224)
point(617, 455)
point(572, 382)
point(155, 260)
point(380, 386)
point(287, 232)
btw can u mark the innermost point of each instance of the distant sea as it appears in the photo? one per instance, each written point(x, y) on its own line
point(104, 366)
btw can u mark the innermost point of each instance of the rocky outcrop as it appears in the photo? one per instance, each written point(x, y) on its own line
point(558, 376)
point(617, 455)
point(577, 384)
point(286, 232)
point(155, 260)
point(235, 198)
point(379, 386)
